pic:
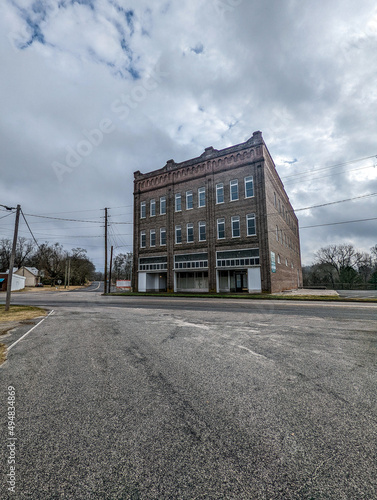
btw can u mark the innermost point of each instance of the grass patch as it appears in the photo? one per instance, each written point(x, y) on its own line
point(3, 353)
point(19, 313)
point(263, 296)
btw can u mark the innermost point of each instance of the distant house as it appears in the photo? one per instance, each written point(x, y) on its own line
point(31, 274)
point(18, 282)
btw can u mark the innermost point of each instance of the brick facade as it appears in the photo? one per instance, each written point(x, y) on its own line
point(258, 223)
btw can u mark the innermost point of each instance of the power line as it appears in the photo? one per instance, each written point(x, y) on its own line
point(331, 175)
point(335, 202)
point(69, 220)
point(23, 215)
point(309, 172)
point(80, 211)
point(336, 223)
point(3, 217)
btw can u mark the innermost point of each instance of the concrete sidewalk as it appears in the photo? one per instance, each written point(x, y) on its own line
point(309, 291)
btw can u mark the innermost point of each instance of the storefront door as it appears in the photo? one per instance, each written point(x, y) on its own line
point(239, 277)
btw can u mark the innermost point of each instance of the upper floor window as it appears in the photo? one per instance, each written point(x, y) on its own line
point(249, 187)
point(219, 193)
point(189, 200)
point(236, 232)
point(202, 197)
point(250, 221)
point(143, 210)
point(153, 208)
point(152, 238)
point(143, 239)
point(234, 190)
point(178, 234)
point(277, 233)
point(202, 231)
point(220, 229)
point(162, 236)
point(190, 233)
point(163, 205)
point(178, 202)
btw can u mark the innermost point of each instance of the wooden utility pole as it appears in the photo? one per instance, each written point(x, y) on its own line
point(65, 274)
point(111, 265)
point(69, 270)
point(105, 277)
point(12, 257)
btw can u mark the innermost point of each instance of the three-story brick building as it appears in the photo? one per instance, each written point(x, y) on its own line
point(221, 222)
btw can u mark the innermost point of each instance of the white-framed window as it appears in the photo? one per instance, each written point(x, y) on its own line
point(163, 205)
point(189, 200)
point(220, 229)
point(279, 259)
point(249, 187)
point(201, 197)
point(219, 193)
point(143, 210)
point(277, 233)
point(236, 232)
point(178, 234)
point(143, 239)
point(286, 262)
point(250, 224)
point(162, 236)
point(190, 233)
point(202, 231)
point(234, 190)
point(178, 202)
point(152, 206)
point(152, 237)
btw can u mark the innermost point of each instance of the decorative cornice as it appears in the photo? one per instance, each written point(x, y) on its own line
point(210, 161)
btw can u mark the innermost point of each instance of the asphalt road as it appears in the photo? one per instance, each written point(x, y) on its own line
point(152, 398)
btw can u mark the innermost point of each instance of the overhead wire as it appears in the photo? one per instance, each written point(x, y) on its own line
point(8, 214)
point(26, 222)
point(336, 223)
point(338, 165)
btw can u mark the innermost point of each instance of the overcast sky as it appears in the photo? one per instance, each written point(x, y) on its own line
point(149, 81)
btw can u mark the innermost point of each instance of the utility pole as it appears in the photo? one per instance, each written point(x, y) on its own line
point(105, 277)
point(12, 257)
point(65, 274)
point(69, 270)
point(111, 265)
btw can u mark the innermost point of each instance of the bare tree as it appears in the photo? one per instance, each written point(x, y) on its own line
point(24, 251)
point(5, 251)
point(343, 259)
point(122, 266)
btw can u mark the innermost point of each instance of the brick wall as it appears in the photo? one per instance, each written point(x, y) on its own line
point(213, 167)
